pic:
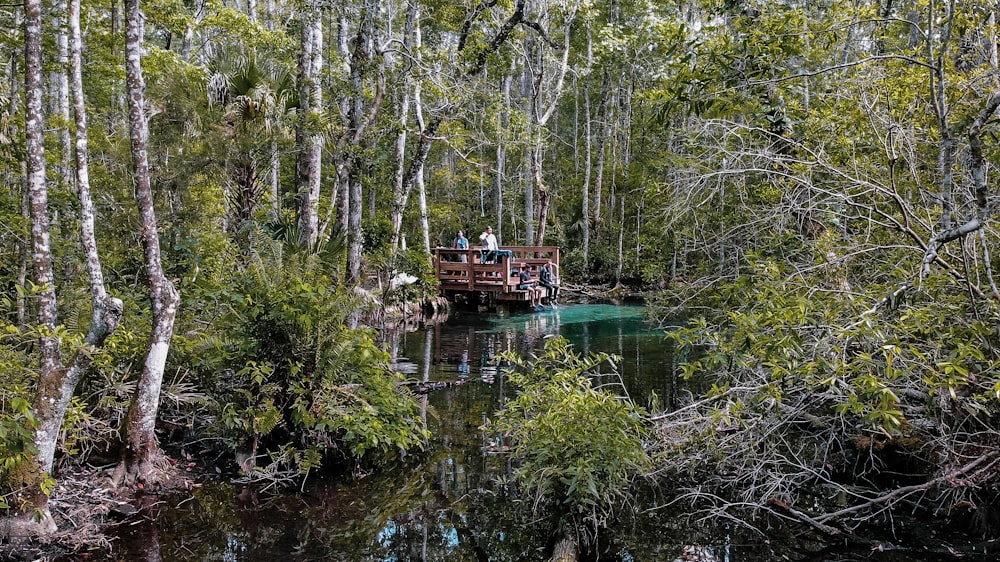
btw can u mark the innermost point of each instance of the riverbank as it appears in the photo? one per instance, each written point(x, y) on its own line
point(452, 496)
point(86, 508)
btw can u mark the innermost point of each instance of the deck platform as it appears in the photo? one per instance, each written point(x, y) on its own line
point(464, 273)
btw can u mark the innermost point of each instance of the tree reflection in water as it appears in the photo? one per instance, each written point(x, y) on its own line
point(452, 502)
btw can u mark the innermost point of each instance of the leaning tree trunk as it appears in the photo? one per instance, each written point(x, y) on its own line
point(107, 311)
point(50, 366)
point(141, 458)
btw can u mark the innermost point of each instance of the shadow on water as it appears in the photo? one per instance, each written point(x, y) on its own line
point(452, 502)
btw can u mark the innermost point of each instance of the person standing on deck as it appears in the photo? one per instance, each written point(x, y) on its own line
point(461, 243)
point(489, 239)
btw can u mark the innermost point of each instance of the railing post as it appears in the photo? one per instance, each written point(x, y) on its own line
point(470, 272)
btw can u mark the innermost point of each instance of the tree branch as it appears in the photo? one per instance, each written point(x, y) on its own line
point(949, 477)
point(463, 36)
point(538, 28)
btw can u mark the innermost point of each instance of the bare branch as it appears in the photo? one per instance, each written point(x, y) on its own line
point(463, 36)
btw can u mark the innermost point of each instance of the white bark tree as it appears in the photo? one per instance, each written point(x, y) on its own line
point(50, 365)
point(57, 383)
point(545, 99)
point(141, 458)
point(309, 141)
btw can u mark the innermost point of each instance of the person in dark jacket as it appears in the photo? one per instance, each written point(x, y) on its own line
point(548, 279)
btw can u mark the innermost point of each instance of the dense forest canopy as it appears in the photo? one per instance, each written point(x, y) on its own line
point(808, 182)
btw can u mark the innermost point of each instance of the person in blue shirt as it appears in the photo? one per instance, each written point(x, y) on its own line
point(534, 291)
point(461, 243)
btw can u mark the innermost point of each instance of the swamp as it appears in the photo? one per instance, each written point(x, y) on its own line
point(305, 279)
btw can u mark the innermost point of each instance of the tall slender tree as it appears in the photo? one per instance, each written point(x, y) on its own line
point(545, 101)
point(50, 364)
point(309, 142)
point(56, 382)
point(141, 458)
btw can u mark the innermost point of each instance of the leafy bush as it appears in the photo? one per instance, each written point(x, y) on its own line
point(813, 389)
point(287, 372)
point(18, 470)
point(576, 447)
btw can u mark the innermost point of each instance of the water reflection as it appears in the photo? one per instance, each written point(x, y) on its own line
point(452, 502)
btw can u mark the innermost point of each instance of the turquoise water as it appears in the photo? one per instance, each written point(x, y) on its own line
point(453, 503)
point(448, 504)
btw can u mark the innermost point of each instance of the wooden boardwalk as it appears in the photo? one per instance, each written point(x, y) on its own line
point(473, 272)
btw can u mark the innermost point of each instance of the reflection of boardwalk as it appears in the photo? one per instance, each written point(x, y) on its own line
point(468, 353)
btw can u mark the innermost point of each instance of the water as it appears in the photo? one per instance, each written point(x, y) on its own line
point(451, 503)
point(448, 504)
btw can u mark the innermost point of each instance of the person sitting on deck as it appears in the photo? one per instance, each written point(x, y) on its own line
point(534, 291)
point(547, 279)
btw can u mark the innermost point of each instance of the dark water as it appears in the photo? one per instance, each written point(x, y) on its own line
point(452, 502)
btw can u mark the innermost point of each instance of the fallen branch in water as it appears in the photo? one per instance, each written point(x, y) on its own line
point(949, 477)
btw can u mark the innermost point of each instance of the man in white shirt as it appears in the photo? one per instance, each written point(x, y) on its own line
point(490, 247)
point(489, 240)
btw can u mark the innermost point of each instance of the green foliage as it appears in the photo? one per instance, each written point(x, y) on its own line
point(288, 374)
point(18, 469)
point(576, 447)
point(803, 382)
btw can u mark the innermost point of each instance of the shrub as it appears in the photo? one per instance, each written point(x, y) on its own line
point(287, 372)
point(576, 447)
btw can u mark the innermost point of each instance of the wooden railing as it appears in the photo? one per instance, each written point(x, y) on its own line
point(476, 269)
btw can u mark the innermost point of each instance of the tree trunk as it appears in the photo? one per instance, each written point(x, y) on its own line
point(360, 59)
point(61, 79)
point(141, 459)
point(50, 366)
point(566, 550)
point(602, 141)
point(308, 143)
point(424, 147)
point(107, 311)
point(541, 120)
point(534, 137)
point(275, 169)
point(316, 138)
point(399, 194)
point(588, 162)
point(621, 244)
point(424, 225)
point(343, 195)
point(501, 172)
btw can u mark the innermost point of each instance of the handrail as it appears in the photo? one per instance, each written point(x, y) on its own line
point(465, 269)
